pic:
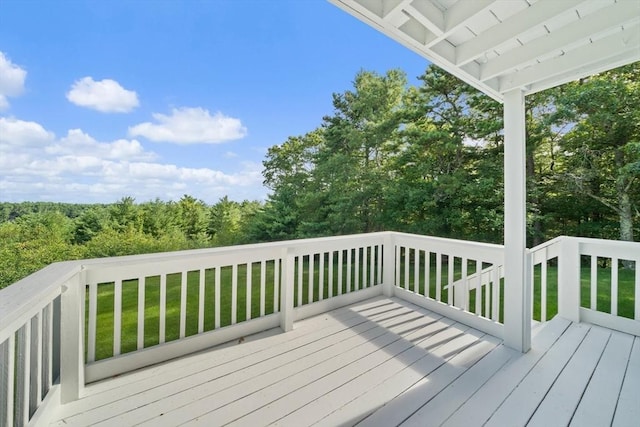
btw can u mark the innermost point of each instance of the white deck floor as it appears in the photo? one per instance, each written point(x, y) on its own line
point(382, 362)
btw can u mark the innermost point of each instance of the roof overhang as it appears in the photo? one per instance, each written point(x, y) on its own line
point(501, 45)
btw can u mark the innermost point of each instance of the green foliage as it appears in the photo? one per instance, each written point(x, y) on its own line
point(32, 239)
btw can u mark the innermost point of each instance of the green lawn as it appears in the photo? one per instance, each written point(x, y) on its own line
point(104, 322)
point(129, 334)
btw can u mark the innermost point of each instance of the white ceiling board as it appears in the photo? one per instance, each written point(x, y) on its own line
point(502, 45)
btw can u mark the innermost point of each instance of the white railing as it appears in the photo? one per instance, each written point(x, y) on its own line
point(197, 295)
point(76, 322)
point(456, 278)
point(581, 277)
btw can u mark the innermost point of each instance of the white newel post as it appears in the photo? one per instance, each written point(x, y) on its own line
point(388, 265)
point(71, 339)
point(517, 292)
point(286, 290)
point(569, 279)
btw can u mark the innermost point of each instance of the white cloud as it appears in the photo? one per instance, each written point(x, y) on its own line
point(190, 126)
point(106, 96)
point(11, 80)
point(16, 132)
point(79, 143)
point(37, 165)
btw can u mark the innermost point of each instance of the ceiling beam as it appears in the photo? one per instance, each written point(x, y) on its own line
point(459, 15)
point(622, 12)
point(625, 42)
point(428, 15)
point(512, 27)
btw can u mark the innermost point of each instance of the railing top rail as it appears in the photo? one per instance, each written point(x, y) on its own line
point(25, 294)
point(472, 243)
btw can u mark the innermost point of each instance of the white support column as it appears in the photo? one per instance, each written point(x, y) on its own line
point(72, 340)
point(517, 292)
point(388, 265)
point(286, 290)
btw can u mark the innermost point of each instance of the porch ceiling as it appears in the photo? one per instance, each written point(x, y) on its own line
point(497, 46)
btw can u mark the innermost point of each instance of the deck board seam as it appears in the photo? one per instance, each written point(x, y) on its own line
point(575, 409)
point(399, 338)
point(373, 326)
point(540, 357)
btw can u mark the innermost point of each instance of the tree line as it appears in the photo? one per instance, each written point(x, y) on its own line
point(425, 159)
point(35, 234)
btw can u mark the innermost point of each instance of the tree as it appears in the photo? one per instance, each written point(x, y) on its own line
point(602, 149)
point(192, 219)
point(351, 172)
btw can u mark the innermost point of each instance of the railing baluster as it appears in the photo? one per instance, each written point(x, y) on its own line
point(183, 303)
point(416, 270)
point(23, 373)
point(36, 383)
point(93, 315)
point(330, 274)
point(427, 272)
point(407, 251)
point(438, 276)
point(321, 277)
point(450, 263)
point(234, 294)
point(248, 295)
point(349, 270)
point(141, 296)
point(163, 309)
point(396, 268)
point(310, 284)
point(263, 286)
point(495, 303)
point(201, 299)
point(637, 294)
point(356, 269)
point(614, 286)
point(300, 275)
point(487, 294)
point(216, 303)
point(465, 289)
point(594, 283)
point(117, 316)
point(276, 285)
point(364, 267)
point(48, 354)
point(7, 367)
point(543, 289)
point(372, 265)
point(340, 255)
point(379, 256)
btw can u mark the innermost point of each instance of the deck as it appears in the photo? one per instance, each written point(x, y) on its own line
point(381, 362)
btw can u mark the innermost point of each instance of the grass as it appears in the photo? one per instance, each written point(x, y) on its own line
point(129, 329)
point(105, 303)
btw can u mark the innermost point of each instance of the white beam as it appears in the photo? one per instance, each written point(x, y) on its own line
point(624, 12)
point(622, 43)
point(460, 13)
point(514, 26)
point(517, 282)
point(428, 15)
point(458, 16)
point(595, 68)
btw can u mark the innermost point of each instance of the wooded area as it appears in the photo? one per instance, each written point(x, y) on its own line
point(424, 159)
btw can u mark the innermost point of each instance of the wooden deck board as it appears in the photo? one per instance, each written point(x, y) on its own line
point(606, 381)
point(628, 407)
point(381, 362)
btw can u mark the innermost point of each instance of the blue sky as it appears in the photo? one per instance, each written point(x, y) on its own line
point(147, 98)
